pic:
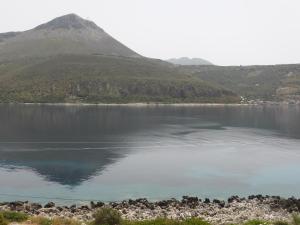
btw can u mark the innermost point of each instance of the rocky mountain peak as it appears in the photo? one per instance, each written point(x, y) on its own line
point(69, 21)
point(65, 35)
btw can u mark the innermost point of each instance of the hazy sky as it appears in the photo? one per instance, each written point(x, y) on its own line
point(226, 32)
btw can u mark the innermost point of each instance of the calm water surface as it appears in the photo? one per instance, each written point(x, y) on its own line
point(79, 153)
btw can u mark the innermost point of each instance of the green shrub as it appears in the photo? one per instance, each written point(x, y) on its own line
point(2, 220)
point(280, 223)
point(107, 216)
point(11, 216)
point(296, 219)
point(256, 222)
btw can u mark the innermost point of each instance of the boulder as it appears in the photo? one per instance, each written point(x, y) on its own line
point(190, 201)
point(49, 205)
point(234, 198)
point(35, 206)
point(206, 201)
point(96, 205)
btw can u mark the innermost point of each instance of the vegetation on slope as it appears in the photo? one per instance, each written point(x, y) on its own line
point(102, 79)
point(277, 82)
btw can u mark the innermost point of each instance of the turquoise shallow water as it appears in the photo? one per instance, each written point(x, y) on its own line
point(79, 153)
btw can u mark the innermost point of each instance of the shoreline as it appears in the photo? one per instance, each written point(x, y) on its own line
point(234, 210)
point(128, 104)
point(143, 104)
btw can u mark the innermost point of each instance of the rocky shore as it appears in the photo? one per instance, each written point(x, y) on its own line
point(235, 210)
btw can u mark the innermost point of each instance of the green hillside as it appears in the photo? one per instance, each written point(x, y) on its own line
point(276, 82)
point(102, 79)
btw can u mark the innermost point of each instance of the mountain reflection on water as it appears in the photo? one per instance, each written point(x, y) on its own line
point(69, 145)
point(67, 167)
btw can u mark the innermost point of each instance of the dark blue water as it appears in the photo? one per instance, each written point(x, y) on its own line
point(80, 153)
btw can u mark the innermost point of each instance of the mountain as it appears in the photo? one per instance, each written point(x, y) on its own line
point(70, 59)
point(5, 36)
point(103, 79)
point(271, 82)
point(189, 61)
point(68, 34)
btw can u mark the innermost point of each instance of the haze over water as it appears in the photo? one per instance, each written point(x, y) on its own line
point(80, 153)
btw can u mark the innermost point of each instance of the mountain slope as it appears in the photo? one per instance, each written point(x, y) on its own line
point(274, 82)
point(68, 34)
point(189, 61)
point(70, 59)
point(103, 79)
point(5, 36)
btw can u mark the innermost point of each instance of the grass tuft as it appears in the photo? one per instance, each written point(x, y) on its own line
point(281, 223)
point(11, 216)
point(256, 222)
point(296, 219)
point(55, 221)
point(38, 220)
point(2, 220)
point(107, 216)
point(64, 221)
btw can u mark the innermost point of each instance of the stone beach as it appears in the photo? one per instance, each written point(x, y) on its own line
point(234, 210)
